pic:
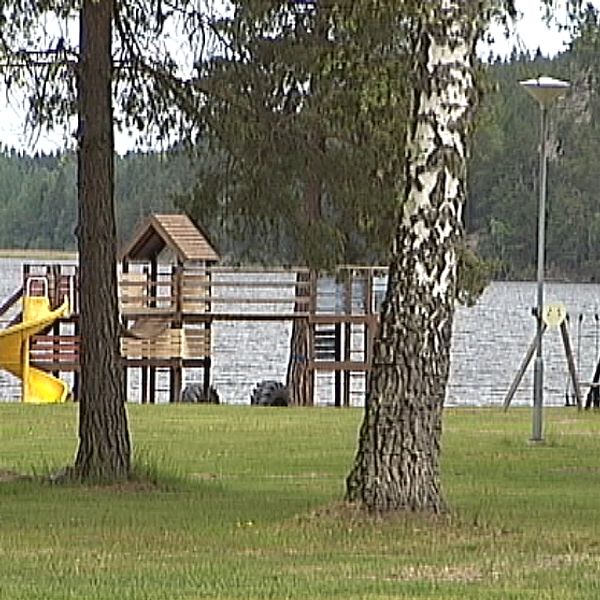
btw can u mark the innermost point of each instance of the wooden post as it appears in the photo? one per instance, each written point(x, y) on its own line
point(369, 292)
point(347, 374)
point(175, 384)
point(53, 284)
point(76, 380)
point(176, 370)
point(347, 337)
point(177, 291)
point(369, 327)
point(312, 309)
point(125, 269)
point(152, 384)
point(337, 357)
point(153, 283)
point(593, 396)
point(144, 384)
point(77, 332)
point(521, 372)
point(152, 302)
point(10, 302)
point(206, 373)
point(207, 328)
point(564, 332)
point(55, 333)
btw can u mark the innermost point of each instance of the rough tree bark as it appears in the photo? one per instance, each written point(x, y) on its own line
point(299, 379)
point(104, 446)
point(397, 462)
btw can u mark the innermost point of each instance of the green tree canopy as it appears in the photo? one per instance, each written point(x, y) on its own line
point(303, 110)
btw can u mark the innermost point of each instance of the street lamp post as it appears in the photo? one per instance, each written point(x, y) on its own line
point(545, 90)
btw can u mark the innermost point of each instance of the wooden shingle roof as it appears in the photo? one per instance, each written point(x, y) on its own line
point(177, 232)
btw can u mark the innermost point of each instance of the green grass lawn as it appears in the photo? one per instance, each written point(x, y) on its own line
point(248, 506)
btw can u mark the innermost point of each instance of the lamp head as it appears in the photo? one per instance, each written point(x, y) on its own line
point(545, 89)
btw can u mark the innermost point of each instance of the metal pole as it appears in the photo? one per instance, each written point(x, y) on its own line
point(538, 374)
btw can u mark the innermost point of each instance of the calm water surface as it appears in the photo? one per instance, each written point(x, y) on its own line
point(489, 342)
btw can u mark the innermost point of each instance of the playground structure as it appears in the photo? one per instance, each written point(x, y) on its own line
point(161, 301)
point(35, 340)
point(38, 386)
point(171, 292)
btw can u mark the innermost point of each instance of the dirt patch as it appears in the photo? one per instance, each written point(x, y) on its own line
point(561, 561)
point(353, 513)
point(414, 573)
point(207, 476)
point(136, 484)
point(132, 486)
point(307, 475)
point(583, 469)
point(61, 478)
point(8, 476)
point(437, 574)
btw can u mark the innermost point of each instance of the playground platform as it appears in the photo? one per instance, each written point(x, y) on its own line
point(171, 292)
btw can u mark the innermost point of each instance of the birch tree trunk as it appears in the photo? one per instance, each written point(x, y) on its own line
point(104, 446)
point(397, 462)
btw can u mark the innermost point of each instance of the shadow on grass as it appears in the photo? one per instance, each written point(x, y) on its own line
point(149, 473)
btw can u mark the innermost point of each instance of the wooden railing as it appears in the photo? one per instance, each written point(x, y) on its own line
point(222, 292)
point(55, 352)
point(169, 319)
point(230, 292)
point(170, 344)
point(56, 281)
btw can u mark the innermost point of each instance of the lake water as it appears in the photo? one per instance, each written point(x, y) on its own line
point(489, 342)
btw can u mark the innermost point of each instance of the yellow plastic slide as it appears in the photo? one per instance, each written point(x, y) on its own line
point(39, 387)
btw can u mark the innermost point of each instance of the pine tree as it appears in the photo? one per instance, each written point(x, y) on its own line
point(66, 75)
point(302, 108)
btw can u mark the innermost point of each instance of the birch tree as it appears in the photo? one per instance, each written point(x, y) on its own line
point(397, 465)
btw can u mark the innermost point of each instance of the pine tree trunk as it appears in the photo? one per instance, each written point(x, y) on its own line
point(397, 463)
point(299, 380)
point(104, 446)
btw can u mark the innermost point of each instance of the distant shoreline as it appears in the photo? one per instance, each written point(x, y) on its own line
point(38, 254)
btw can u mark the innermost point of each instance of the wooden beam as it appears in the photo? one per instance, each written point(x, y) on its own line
point(521, 372)
point(564, 332)
point(335, 365)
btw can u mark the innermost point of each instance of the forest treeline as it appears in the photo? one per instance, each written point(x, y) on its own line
point(38, 194)
point(38, 206)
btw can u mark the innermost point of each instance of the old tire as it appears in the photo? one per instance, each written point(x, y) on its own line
point(270, 393)
point(194, 393)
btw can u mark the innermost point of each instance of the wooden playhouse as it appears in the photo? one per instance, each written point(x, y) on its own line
point(164, 288)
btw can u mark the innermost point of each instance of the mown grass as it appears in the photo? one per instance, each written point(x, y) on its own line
point(246, 504)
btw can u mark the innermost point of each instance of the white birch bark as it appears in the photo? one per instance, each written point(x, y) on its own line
point(397, 463)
